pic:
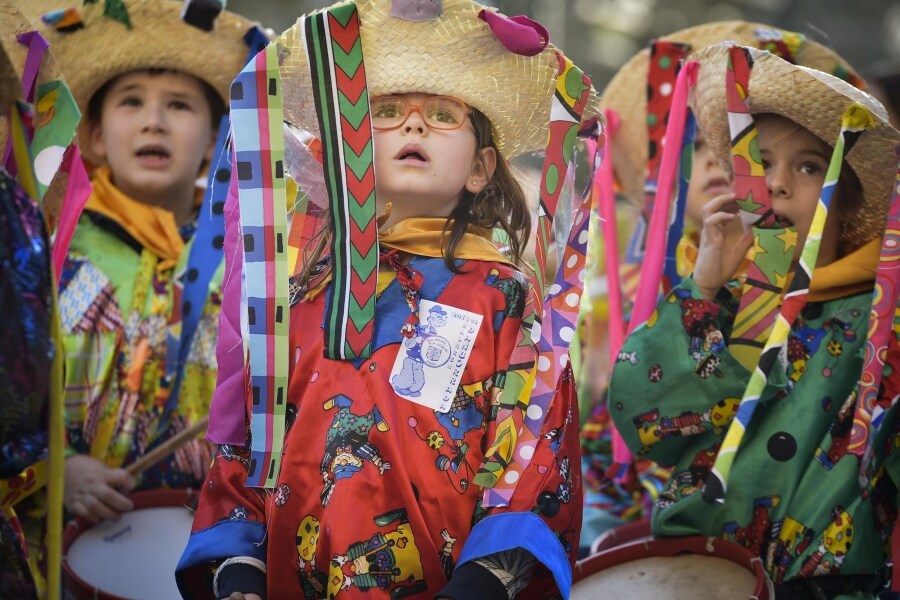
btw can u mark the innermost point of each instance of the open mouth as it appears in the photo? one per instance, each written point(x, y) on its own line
point(154, 152)
point(412, 153)
point(782, 222)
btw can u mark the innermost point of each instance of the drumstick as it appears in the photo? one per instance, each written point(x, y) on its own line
point(168, 447)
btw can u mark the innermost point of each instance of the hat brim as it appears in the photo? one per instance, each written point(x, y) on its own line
point(105, 48)
point(457, 55)
point(158, 39)
point(815, 101)
point(626, 91)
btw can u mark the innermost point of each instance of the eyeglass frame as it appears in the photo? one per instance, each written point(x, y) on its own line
point(411, 108)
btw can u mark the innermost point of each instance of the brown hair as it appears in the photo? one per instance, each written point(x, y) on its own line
point(501, 204)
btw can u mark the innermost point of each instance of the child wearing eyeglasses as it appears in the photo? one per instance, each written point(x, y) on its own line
point(394, 463)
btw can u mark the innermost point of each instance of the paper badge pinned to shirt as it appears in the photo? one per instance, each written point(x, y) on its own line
point(430, 363)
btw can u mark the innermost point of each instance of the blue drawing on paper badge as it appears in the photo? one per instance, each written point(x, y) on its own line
point(423, 347)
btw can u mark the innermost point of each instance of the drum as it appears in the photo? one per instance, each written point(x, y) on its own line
point(695, 568)
point(623, 534)
point(134, 557)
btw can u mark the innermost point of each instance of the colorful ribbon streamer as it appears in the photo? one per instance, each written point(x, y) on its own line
point(334, 50)
point(869, 413)
point(257, 115)
point(854, 120)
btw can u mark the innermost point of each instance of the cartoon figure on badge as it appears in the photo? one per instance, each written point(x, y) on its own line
point(423, 347)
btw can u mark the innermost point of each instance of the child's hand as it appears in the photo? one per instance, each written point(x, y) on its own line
point(95, 491)
point(723, 244)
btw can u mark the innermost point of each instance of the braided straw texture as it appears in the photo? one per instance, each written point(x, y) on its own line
point(626, 92)
point(814, 100)
point(12, 62)
point(454, 55)
point(105, 48)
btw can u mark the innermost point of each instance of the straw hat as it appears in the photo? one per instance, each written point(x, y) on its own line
point(626, 91)
point(814, 100)
point(105, 48)
point(12, 65)
point(12, 60)
point(457, 54)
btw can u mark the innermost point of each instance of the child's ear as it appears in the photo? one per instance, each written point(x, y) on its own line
point(211, 149)
point(96, 142)
point(483, 166)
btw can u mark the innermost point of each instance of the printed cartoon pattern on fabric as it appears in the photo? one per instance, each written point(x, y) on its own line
point(854, 122)
point(425, 507)
point(685, 423)
point(389, 560)
point(347, 444)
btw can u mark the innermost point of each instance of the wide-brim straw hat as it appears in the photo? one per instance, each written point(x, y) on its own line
point(455, 54)
point(815, 101)
point(626, 92)
point(105, 48)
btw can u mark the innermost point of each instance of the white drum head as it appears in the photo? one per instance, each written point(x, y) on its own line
point(136, 556)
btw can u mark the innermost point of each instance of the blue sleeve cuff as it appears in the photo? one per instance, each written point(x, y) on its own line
point(224, 540)
point(526, 530)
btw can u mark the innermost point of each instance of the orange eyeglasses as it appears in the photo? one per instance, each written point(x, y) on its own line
point(439, 112)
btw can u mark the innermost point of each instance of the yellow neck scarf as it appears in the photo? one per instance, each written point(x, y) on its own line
point(847, 275)
point(153, 227)
point(425, 236)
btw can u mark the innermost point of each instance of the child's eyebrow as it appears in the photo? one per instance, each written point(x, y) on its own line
point(803, 152)
point(814, 152)
point(131, 87)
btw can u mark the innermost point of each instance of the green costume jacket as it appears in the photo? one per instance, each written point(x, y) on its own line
point(793, 495)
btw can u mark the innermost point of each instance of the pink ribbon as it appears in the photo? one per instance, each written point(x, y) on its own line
point(654, 258)
point(226, 425)
point(77, 192)
point(519, 35)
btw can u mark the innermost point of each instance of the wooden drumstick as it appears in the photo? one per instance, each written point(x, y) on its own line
point(168, 447)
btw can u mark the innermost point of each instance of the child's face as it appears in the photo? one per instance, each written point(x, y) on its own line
point(708, 180)
point(155, 133)
point(422, 171)
point(795, 161)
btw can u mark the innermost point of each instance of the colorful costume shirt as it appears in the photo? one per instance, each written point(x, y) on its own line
point(26, 289)
point(793, 494)
point(118, 303)
point(375, 498)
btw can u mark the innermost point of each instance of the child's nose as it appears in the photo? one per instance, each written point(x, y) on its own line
point(778, 181)
point(155, 117)
point(415, 122)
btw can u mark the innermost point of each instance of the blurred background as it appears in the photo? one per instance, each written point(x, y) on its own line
point(600, 35)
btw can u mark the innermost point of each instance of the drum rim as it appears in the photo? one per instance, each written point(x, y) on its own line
point(670, 547)
point(159, 498)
